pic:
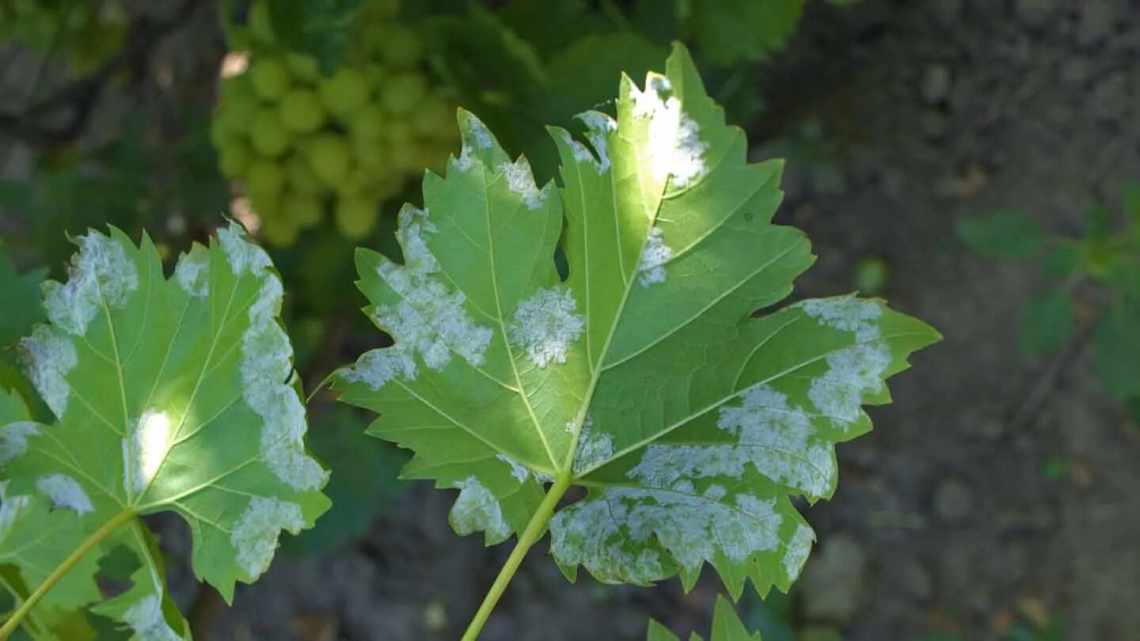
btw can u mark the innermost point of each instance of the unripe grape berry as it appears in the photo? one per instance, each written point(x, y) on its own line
point(270, 78)
point(381, 9)
point(401, 48)
point(268, 135)
point(301, 111)
point(345, 92)
point(264, 179)
point(235, 158)
point(367, 124)
point(398, 133)
point(355, 216)
point(371, 155)
point(403, 92)
point(328, 156)
point(300, 175)
point(434, 119)
point(304, 211)
point(303, 67)
point(238, 101)
point(375, 75)
point(278, 230)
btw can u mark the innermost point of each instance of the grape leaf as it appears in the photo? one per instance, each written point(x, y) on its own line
point(642, 376)
point(169, 394)
point(1047, 323)
point(726, 626)
point(1116, 344)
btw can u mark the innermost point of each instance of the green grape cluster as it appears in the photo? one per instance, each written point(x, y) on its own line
point(302, 142)
point(87, 32)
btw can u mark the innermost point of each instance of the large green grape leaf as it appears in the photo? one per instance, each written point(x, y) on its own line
point(169, 394)
point(642, 375)
point(726, 626)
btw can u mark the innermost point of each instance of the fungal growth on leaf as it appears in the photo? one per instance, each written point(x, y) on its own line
point(170, 394)
point(641, 372)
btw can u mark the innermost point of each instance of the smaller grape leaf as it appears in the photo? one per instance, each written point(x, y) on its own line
point(726, 626)
point(1116, 345)
point(1046, 322)
point(1005, 234)
point(169, 394)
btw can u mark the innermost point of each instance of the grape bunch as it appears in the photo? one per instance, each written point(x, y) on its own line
point(302, 142)
point(87, 32)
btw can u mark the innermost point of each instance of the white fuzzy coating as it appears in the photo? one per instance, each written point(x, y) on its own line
point(769, 434)
point(14, 439)
point(10, 508)
point(519, 471)
point(254, 536)
point(798, 548)
point(100, 274)
point(610, 532)
point(852, 373)
point(848, 314)
point(65, 492)
point(266, 364)
point(651, 268)
point(599, 126)
point(475, 136)
point(577, 149)
point(193, 273)
point(430, 320)
point(243, 256)
point(594, 447)
point(675, 145)
point(50, 356)
point(144, 450)
point(477, 509)
point(147, 622)
point(520, 180)
point(378, 366)
point(546, 325)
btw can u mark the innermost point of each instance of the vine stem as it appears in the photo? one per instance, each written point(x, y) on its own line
point(533, 532)
point(62, 569)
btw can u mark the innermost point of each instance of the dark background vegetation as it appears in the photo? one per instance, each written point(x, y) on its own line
point(998, 497)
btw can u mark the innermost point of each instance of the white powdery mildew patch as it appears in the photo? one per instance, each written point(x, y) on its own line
point(846, 314)
point(100, 274)
point(14, 439)
point(475, 136)
point(581, 154)
point(546, 325)
point(519, 471)
point(51, 355)
point(146, 621)
point(772, 436)
point(10, 508)
point(654, 255)
point(265, 367)
point(65, 492)
point(242, 255)
point(599, 126)
point(475, 509)
point(144, 450)
point(255, 534)
point(431, 319)
point(853, 372)
point(593, 447)
point(675, 145)
point(796, 553)
point(193, 274)
point(378, 366)
point(520, 180)
point(608, 534)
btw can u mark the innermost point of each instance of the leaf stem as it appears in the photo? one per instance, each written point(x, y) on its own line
point(62, 569)
point(533, 532)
